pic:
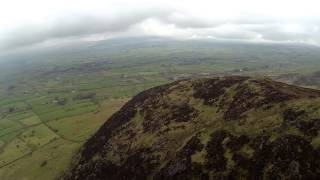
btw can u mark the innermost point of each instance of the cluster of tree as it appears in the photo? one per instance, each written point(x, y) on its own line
point(83, 96)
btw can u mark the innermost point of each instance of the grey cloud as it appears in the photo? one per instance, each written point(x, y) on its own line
point(76, 25)
point(276, 32)
point(81, 25)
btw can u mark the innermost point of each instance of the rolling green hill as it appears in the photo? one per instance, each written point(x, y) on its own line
point(208, 128)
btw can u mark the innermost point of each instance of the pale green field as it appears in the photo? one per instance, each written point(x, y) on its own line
point(46, 149)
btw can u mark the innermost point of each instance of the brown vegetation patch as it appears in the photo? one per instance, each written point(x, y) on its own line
point(292, 157)
point(292, 115)
point(265, 95)
point(243, 100)
point(309, 128)
point(172, 113)
point(210, 90)
point(300, 120)
point(215, 159)
point(181, 167)
point(236, 143)
point(136, 167)
point(123, 116)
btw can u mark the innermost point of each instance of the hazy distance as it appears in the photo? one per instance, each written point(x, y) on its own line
point(44, 22)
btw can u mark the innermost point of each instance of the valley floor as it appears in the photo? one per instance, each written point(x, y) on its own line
point(35, 150)
point(50, 103)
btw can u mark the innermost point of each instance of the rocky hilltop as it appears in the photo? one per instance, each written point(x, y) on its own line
point(208, 128)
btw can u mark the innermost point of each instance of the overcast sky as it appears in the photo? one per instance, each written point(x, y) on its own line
point(32, 22)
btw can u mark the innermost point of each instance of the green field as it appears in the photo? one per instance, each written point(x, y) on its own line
point(51, 102)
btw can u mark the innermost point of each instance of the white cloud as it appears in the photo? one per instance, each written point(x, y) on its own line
point(23, 23)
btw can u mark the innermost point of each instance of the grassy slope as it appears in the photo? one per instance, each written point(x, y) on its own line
point(208, 127)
